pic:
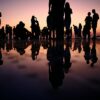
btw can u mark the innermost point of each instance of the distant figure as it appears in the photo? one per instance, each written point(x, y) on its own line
point(68, 12)
point(35, 27)
point(14, 32)
point(0, 18)
point(8, 31)
point(80, 30)
point(88, 24)
point(20, 31)
point(94, 57)
point(94, 22)
point(33, 23)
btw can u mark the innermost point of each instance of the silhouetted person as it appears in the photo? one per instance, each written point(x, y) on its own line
point(88, 24)
point(33, 22)
point(51, 25)
point(21, 32)
point(35, 27)
point(94, 22)
point(9, 32)
point(2, 44)
point(80, 30)
point(14, 32)
point(87, 49)
point(68, 12)
point(56, 7)
point(94, 57)
point(2, 33)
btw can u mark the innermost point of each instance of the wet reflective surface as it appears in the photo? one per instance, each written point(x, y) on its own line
point(49, 70)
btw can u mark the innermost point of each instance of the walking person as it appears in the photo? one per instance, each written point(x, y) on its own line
point(94, 22)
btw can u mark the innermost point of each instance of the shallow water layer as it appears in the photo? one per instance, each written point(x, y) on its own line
point(35, 70)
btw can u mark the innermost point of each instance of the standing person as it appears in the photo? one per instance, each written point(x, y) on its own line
point(56, 9)
point(68, 12)
point(33, 23)
point(80, 30)
point(0, 18)
point(88, 23)
point(94, 22)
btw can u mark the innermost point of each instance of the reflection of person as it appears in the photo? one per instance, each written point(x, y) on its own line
point(77, 45)
point(94, 57)
point(55, 57)
point(94, 22)
point(1, 61)
point(20, 46)
point(35, 49)
point(86, 48)
point(67, 57)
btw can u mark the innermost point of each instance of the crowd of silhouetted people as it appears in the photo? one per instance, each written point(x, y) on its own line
point(59, 17)
point(58, 52)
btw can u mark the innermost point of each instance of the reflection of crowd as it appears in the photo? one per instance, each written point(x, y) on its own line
point(90, 53)
point(59, 57)
point(58, 54)
point(59, 16)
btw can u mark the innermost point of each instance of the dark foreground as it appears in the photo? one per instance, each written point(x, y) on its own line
point(33, 71)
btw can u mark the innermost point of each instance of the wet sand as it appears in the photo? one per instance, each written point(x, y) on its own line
point(24, 77)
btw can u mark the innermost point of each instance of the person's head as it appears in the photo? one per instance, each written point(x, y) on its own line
point(93, 11)
point(67, 5)
point(89, 13)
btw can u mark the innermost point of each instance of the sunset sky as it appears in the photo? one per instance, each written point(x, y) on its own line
point(14, 11)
